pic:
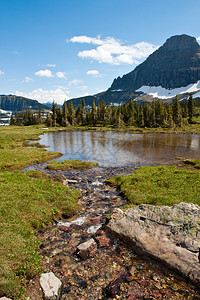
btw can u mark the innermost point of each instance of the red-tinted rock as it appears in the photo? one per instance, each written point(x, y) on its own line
point(103, 240)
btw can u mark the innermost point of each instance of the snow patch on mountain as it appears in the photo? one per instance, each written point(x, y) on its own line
point(162, 93)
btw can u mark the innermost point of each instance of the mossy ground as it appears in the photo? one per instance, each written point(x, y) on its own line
point(71, 164)
point(15, 150)
point(28, 202)
point(160, 185)
point(192, 162)
point(187, 128)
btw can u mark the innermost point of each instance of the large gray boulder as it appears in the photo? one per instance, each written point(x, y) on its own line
point(51, 286)
point(171, 235)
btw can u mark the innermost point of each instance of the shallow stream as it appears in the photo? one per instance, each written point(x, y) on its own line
point(114, 272)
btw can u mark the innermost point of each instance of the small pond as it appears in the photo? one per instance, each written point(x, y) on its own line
point(114, 148)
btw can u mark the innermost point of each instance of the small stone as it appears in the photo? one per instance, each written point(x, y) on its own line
point(51, 286)
point(132, 270)
point(4, 298)
point(103, 240)
point(65, 182)
point(87, 249)
point(56, 252)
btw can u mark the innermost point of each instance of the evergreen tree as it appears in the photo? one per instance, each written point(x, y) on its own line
point(147, 114)
point(12, 120)
point(71, 114)
point(94, 114)
point(65, 121)
point(54, 114)
point(49, 121)
point(130, 113)
point(177, 113)
point(190, 108)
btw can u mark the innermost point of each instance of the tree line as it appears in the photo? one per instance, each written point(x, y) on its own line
point(154, 114)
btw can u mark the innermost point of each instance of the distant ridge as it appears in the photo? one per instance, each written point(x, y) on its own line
point(174, 65)
point(17, 104)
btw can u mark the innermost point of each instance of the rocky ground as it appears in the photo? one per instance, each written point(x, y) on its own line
point(109, 270)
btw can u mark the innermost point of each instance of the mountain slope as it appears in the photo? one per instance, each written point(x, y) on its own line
point(17, 104)
point(174, 65)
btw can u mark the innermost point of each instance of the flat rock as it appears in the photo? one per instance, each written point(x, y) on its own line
point(87, 249)
point(51, 286)
point(5, 298)
point(171, 235)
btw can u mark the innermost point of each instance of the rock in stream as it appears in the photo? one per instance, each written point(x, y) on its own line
point(113, 271)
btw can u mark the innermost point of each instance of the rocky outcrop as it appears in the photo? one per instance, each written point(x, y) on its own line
point(171, 235)
point(175, 64)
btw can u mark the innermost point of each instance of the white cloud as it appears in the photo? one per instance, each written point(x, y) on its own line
point(50, 65)
point(112, 51)
point(2, 73)
point(86, 39)
point(75, 82)
point(61, 75)
point(44, 96)
point(44, 73)
point(94, 73)
point(27, 79)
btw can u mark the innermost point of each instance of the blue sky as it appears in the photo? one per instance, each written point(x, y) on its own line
point(60, 49)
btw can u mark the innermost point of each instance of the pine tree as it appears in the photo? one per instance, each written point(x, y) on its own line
point(190, 108)
point(177, 113)
point(65, 121)
point(94, 113)
point(49, 120)
point(131, 113)
point(71, 114)
point(54, 114)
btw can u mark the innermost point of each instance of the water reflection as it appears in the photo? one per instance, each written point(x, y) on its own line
point(112, 148)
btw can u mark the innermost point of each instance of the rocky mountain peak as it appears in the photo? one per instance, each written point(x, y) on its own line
point(175, 64)
point(181, 43)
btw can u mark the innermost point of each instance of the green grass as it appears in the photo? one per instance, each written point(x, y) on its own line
point(160, 185)
point(188, 128)
point(15, 150)
point(71, 164)
point(193, 162)
point(28, 201)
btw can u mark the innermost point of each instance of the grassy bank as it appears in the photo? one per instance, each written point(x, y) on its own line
point(188, 128)
point(160, 185)
point(28, 201)
point(192, 162)
point(71, 164)
point(15, 150)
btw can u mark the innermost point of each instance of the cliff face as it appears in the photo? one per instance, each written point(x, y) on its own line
point(175, 64)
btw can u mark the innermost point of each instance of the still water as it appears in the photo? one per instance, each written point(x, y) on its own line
point(113, 148)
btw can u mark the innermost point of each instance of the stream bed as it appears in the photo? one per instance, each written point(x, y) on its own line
point(114, 272)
